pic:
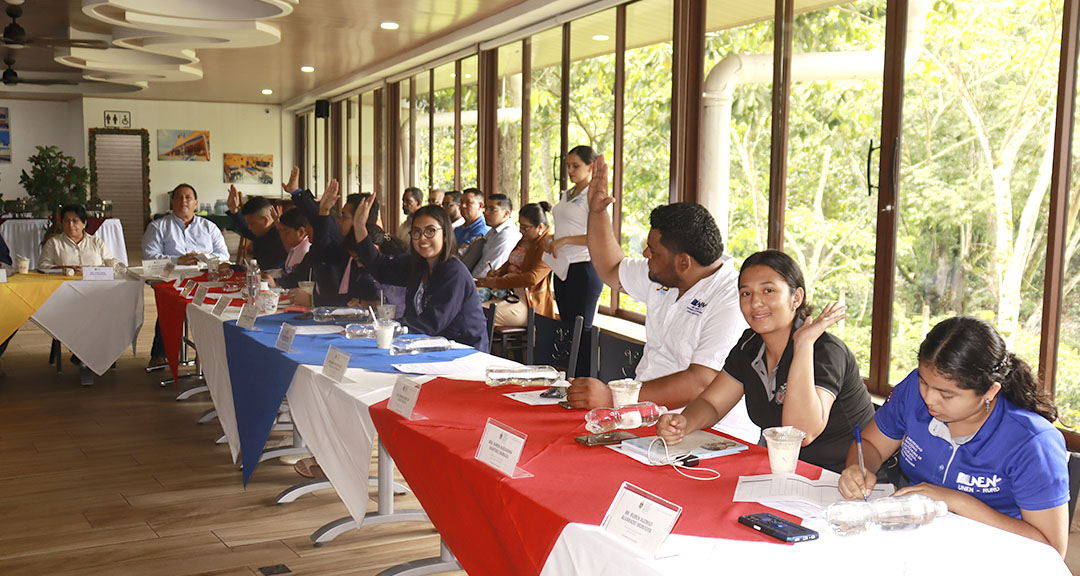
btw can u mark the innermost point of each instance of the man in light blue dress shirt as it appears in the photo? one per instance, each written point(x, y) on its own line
point(179, 236)
point(502, 235)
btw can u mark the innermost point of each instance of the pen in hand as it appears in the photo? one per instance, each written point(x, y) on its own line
point(862, 465)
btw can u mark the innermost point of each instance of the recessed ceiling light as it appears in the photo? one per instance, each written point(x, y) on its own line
point(467, 76)
point(712, 34)
point(267, 91)
point(307, 68)
point(601, 37)
point(452, 75)
point(389, 26)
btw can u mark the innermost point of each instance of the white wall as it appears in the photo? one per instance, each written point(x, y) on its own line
point(234, 128)
point(40, 123)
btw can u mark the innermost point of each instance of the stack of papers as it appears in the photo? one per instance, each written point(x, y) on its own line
point(699, 443)
point(797, 495)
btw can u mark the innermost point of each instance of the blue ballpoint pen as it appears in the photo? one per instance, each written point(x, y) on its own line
point(862, 466)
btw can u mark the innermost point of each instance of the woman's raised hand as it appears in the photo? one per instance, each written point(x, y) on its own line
point(329, 197)
point(813, 328)
point(360, 217)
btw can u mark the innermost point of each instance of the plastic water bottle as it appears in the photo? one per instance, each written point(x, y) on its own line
point(907, 511)
point(600, 420)
point(254, 276)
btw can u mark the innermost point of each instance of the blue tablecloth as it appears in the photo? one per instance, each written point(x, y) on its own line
point(261, 374)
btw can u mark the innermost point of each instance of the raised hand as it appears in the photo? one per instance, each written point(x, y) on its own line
point(360, 217)
point(599, 199)
point(329, 198)
point(234, 199)
point(275, 213)
point(294, 181)
point(813, 328)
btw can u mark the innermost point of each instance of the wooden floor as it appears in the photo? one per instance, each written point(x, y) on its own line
point(117, 478)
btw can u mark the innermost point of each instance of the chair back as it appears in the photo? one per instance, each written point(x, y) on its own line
point(619, 357)
point(550, 341)
point(489, 318)
point(1074, 481)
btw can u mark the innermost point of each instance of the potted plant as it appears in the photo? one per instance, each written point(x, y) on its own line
point(54, 181)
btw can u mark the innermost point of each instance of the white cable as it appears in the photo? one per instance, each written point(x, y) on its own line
point(713, 474)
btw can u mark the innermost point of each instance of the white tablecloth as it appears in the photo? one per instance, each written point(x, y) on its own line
point(209, 337)
point(24, 237)
point(96, 320)
point(111, 233)
point(949, 545)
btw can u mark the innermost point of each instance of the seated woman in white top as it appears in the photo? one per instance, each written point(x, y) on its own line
point(74, 248)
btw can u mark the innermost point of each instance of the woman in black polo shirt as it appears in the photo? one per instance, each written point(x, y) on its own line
point(792, 372)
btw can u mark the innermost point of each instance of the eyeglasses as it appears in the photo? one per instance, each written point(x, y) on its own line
point(448, 204)
point(492, 208)
point(428, 232)
point(525, 227)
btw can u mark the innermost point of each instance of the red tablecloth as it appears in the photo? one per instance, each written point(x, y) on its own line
point(171, 309)
point(496, 525)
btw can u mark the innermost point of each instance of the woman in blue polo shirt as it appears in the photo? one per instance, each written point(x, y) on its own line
point(973, 430)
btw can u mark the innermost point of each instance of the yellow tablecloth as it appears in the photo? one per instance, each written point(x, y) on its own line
point(22, 295)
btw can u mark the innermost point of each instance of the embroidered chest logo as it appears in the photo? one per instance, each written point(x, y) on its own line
point(983, 484)
point(662, 290)
point(696, 307)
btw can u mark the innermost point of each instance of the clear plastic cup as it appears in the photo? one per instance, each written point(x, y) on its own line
point(22, 264)
point(386, 311)
point(784, 443)
point(385, 332)
point(307, 286)
point(624, 391)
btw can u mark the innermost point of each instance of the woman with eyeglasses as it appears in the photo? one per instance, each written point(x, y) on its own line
point(441, 298)
point(524, 271)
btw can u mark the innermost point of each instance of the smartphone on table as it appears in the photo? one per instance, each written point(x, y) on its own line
point(777, 527)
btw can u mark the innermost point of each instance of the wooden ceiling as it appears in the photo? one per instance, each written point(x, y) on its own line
point(340, 37)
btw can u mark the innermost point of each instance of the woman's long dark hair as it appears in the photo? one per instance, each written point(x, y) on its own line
point(786, 267)
point(418, 266)
point(971, 353)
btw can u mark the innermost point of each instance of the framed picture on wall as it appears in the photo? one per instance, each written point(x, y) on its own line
point(186, 145)
point(248, 168)
point(5, 136)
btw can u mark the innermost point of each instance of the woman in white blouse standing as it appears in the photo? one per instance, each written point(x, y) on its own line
point(74, 248)
point(577, 287)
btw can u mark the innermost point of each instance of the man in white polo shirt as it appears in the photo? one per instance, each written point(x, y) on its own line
point(689, 287)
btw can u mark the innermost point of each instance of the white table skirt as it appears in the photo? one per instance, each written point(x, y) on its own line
point(96, 320)
point(111, 233)
point(25, 236)
point(209, 336)
point(949, 545)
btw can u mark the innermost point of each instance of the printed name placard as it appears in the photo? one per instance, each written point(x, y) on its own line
point(222, 304)
point(500, 447)
point(188, 289)
point(641, 518)
point(3, 275)
point(97, 273)
point(155, 267)
point(403, 398)
point(248, 314)
point(335, 364)
point(285, 337)
point(200, 295)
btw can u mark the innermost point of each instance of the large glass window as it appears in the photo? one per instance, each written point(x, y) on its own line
point(469, 116)
point(423, 150)
point(592, 82)
point(830, 218)
point(509, 121)
point(351, 138)
point(978, 115)
point(367, 142)
point(646, 123)
point(544, 122)
point(737, 122)
point(444, 127)
point(404, 137)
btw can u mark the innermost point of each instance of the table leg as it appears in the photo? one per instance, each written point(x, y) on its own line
point(445, 562)
point(86, 377)
point(192, 391)
point(223, 440)
point(293, 492)
point(384, 514)
point(298, 447)
point(207, 416)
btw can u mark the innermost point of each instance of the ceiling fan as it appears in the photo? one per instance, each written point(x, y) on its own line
point(11, 78)
point(15, 35)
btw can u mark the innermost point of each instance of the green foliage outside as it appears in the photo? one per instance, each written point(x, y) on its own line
point(54, 180)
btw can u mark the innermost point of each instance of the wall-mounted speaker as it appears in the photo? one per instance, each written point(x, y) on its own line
point(322, 108)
